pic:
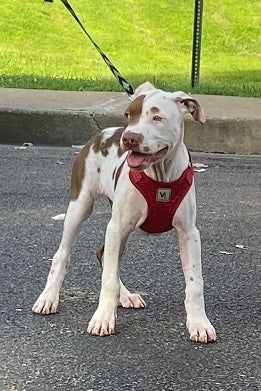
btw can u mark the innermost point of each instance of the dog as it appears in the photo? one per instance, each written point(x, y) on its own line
point(121, 163)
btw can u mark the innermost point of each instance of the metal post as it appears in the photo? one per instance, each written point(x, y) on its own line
point(195, 69)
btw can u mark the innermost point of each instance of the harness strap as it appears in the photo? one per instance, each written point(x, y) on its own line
point(123, 82)
point(163, 198)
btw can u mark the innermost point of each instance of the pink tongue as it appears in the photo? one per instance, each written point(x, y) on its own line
point(135, 159)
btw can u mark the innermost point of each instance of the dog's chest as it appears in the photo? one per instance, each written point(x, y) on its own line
point(163, 198)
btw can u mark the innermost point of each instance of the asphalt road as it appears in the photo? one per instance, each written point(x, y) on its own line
point(151, 350)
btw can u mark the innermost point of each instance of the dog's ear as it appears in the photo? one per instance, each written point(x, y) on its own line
point(190, 105)
point(143, 88)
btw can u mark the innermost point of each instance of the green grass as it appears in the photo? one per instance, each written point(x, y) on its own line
point(41, 46)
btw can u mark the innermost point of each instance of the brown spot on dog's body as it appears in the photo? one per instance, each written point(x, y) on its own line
point(117, 175)
point(103, 146)
point(120, 151)
point(98, 145)
point(78, 170)
point(110, 202)
point(113, 174)
point(115, 139)
point(155, 110)
point(99, 253)
point(134, 110)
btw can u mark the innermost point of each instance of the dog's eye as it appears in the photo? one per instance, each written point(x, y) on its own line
point(157, 118)
point(127, 114)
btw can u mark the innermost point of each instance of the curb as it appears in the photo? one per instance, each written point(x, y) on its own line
point(64, 118)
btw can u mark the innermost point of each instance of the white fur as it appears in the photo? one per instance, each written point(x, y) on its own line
point(167, 132)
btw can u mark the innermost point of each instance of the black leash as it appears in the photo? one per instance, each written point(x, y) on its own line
point(123, 82)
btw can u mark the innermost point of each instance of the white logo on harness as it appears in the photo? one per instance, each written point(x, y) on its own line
point(163, 195)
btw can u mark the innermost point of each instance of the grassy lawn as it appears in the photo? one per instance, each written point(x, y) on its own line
point(41, 46)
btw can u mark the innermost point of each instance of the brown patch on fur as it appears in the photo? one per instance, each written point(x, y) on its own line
point(154, 110)
point(118, 173)
point(113, 174)
point(78, 170)
point(98, 145)
point(102, 146)
point(110, 202)
point(120, 151)
point(99, 253)
point(134, 110)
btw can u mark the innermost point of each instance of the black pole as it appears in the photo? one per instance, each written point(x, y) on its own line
point(195, 68)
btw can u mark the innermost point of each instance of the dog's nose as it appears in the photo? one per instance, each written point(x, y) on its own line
point(131, 140)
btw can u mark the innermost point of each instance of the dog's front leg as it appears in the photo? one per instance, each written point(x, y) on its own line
point(200, 328)
point(104, 319)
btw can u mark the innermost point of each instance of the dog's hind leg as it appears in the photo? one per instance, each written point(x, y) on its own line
point(130, 300)
point(78, 210)
point(127, 299)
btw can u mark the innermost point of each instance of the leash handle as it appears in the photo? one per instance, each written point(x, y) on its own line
point(123, 82)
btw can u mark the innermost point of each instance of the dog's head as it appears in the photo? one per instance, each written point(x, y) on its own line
point(154, 124)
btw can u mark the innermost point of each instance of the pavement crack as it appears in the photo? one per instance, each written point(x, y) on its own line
point(92, 116)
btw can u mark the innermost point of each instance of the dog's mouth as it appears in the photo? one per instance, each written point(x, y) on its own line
point(136, 160)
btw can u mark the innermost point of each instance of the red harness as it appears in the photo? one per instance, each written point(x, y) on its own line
point(163, 198)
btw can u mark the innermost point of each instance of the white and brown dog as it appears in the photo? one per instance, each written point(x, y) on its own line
point(122, 163)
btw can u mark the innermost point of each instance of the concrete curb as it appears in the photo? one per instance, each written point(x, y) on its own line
point(63, 118)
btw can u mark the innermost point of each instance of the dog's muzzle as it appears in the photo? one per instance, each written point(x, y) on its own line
point(136, 160)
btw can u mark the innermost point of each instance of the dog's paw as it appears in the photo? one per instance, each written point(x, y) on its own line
point(131, 300)
point(102, 323)
point(46, 304)
point(201, 330)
